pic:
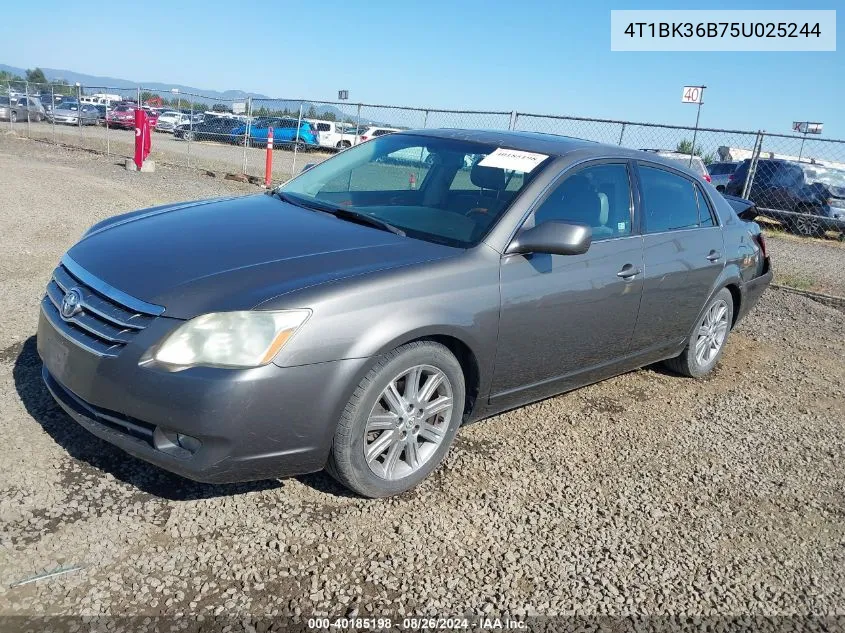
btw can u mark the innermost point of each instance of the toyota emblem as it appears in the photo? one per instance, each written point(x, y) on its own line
point(72, 303)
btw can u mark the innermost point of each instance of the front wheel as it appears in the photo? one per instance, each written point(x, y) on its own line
point(400, 421)
point(707, 342)
point(13, 116)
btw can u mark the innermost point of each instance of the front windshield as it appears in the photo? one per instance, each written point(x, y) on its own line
point(437, 189)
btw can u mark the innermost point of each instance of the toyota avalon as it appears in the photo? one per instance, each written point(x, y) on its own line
point(355, 317)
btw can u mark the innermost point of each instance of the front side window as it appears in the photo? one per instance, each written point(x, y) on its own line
point(598, 196)
point(432, 188)
point(669, 201)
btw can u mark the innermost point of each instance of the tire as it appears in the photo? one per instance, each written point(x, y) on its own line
point(370, 421)
point(13, 117)
point(188, 136)
point(699, 359)
point(299, 146)
point(806, 226)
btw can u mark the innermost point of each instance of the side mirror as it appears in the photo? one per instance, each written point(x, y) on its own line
point(553, 237)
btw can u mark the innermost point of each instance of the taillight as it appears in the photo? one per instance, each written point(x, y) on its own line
point(707, 178)
point(731, 177)
point(363, 138)
point(761, 240)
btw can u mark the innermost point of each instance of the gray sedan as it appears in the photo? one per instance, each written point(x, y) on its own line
point(73, 114)
point(354, 318)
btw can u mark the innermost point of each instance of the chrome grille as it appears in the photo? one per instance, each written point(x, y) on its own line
point(105, 322)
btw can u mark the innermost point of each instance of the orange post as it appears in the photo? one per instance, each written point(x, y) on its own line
point(268, 165)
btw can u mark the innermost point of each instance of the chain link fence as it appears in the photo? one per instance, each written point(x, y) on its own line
point(797, 181)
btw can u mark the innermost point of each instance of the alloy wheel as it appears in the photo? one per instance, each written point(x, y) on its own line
point(806, 226)
point(408, 422)
point(712, 333)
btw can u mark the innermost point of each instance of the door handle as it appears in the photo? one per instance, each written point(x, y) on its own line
point(628, 272)
point(714, 256)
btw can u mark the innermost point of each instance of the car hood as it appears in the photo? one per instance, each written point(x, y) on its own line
point(235, 253)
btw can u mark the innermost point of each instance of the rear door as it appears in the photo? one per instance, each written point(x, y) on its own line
point(682, 256)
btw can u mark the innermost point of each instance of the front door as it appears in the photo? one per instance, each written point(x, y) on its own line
point(564, 317)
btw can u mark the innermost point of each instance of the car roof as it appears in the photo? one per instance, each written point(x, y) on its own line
point(543, 143)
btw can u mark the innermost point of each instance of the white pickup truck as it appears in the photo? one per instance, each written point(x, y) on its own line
point(333, 135)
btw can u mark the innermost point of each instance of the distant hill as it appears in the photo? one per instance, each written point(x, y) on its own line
point(209, 96)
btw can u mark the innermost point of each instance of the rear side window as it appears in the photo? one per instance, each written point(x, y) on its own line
point(323, 127)
point(669, 200)
point(381, 132)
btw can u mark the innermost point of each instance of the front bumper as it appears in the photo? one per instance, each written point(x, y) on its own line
point(253, 424)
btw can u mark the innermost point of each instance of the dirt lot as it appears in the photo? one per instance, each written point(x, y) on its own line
point(220, 157)
point(646, 494)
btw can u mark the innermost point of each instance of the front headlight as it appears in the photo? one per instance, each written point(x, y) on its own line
point(231, 339)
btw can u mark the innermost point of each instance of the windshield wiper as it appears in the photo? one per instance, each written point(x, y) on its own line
point(339, 212)
point(363, 218)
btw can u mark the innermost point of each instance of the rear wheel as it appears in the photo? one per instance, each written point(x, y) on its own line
point(707, 342)
point(806, 225)
point(13, 116)
point(188, 136)
point(400, 421)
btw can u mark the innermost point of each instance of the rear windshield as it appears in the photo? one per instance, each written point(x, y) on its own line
point(435, 189)
point(721, 169)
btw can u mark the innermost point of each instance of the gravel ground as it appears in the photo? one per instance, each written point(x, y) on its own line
point(809, 264)
point(647, 494)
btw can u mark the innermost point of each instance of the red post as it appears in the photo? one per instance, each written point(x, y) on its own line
point(268, 164)
point(142, 137)
point(140, 115)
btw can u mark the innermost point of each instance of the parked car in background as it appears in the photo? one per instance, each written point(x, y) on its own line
point(347, 321)
point(72, 113)
point(5, 108)
point(696, 165)
point(102, 111)
point(806, 198)
point(167, 121)
point(22, 108)
point(285, 132)
point(720, 173)
point(220, 129)
point(370, 132)
point(333, 134)
point(122, 116)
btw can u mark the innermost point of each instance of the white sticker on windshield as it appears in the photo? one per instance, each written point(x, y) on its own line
point(512, 159)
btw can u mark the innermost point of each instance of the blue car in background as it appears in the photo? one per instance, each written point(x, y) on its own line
point(284, 133)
